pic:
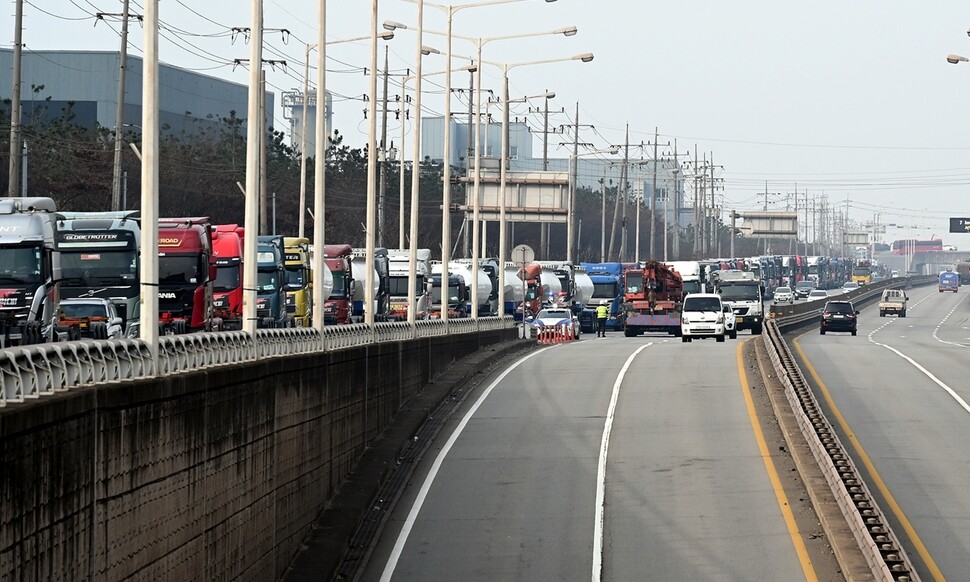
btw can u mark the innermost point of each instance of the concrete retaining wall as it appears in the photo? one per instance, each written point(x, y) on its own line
point(211, 475)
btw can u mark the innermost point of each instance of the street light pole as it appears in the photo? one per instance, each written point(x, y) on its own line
point(319, 170)
point(371, 173)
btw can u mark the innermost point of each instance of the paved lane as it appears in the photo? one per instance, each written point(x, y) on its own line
point(687, 494)
point(899, 388)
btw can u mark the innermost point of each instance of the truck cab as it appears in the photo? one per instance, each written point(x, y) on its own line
point(745, 292)
point(185, 276)
point(270, 291)
point(339, 307)
point(99, 254)
point(29, 271)
point(227, 257)
point(893, 301)
point(298, 280)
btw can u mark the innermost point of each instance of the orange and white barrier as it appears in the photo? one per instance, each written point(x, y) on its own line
point(554, 334)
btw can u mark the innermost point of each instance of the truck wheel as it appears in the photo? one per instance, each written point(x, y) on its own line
point(882, 313)
point(99, 330)
point(628, 332)
point(853, 332)
point(821, 331)
point(734, 335)
point(757, 329)
point(720, 338)
point(902, 313)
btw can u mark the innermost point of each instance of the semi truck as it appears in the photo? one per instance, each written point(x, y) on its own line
point(652, 299)
point(542, 286)
point(99, 255)
point(862, 273)
point(514, 290)
point(487, 282)
point(339, 308)
point(607, 286)
point(29, 271)
point(693, 274)
point(745, 292)
point(270, 290)
point(185, 276)
point(298, 280)
point(401, 297)
point(456, 296)
point(382, 295)
point(227, 290)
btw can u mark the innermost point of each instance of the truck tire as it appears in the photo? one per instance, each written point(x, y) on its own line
point(882, 313)
point(757, 329)
point(685, 339)
point(821, 331)
point(720, 338)
point(628, 332)
point(853, 332)
point(99, 330)
point(902, 313)
point(734, 334)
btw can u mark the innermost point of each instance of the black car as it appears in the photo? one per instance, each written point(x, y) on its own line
point(838, 316)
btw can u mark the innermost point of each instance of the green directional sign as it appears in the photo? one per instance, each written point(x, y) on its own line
point(960, 225)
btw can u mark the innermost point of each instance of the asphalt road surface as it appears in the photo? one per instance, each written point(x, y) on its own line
point(898, 392)
point(616, 459)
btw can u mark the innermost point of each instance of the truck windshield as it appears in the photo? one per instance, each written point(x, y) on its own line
point(604, 291)
point(692, 287)
point(740, 293)
point(634, 282)
point(339, 284)
point(398, 286)
point(452, 295)
point(294, 278)
point(100, 267)
point(179, 270)
point(267, 281)
point(702, 304)
point(861, 272)
point(227, 278)
point(20, 265)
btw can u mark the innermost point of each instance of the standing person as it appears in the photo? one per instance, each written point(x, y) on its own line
point(602, 312)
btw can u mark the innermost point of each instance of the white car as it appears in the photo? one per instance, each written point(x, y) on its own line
point(702, 316)
point(555, 317)
point(95, 317)
point(784, 295)
point(849, 286)
point(730, 320)
point(817, 294)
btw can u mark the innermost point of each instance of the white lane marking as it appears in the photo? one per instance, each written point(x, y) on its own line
point(939, 325)
point(601, 469)
point(927, 373)
point(402, 538)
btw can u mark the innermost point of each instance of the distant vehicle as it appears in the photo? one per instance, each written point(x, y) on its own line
point(730, 320)
point(803, 288)
point(784, 295)
point(702, 317)
point(817, 294)
point(949, 281)
point(849, 286)
point(862, 273)
point(893, 301)
point(838, 316)
point(558, 316)
point(95, 317)
point(910, 246)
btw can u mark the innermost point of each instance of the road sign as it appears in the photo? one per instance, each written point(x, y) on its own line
point(523, 254)
point(960, 225)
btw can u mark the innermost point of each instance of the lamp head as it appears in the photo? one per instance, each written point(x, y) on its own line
point(614, 150)
point(566, 31)
point(386, 35)
point(550, 95)
point(954, 59)
point(585, 57)
point(427, 50)
point(391, 25)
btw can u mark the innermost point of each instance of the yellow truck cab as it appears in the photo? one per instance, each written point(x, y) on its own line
point(298, 281)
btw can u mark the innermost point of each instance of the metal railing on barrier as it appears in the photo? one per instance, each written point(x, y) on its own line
point(33, 371)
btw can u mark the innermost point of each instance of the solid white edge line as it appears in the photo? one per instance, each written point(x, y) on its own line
point(402, 537)
point(601, 469)
point(928, 374)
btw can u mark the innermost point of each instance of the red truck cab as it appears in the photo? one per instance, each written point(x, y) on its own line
point(339, 308)
point(185, 275)
point(227, 257)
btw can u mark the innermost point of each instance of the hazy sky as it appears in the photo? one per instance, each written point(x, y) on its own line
point(853, 100)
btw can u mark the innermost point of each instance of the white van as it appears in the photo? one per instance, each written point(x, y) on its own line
point(702, 317)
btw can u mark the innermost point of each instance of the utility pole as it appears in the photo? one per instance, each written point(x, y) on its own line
point(676, 246)
point(466, 231)
point(616, 207)
point(261, 142)
point(653, 202)
point(120, 109)
point(570, 217)
point(13, 178)
point(382, 157)
point(698, 223)
point(715, 239)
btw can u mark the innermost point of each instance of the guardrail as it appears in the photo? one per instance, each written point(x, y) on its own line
point(879, 544)
point(37, 370)
point(795, 315)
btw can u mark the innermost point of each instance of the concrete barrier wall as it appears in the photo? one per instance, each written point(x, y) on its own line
point(210, 475)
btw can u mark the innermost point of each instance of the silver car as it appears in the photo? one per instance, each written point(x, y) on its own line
point(551, 317)
point(784, 295)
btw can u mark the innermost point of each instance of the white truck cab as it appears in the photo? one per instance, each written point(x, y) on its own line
point(702, 317)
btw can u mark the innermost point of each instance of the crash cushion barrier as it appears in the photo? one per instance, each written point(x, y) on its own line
point(211, 474)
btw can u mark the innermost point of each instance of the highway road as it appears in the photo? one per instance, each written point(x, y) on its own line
point(617, 459)
point(898, 393)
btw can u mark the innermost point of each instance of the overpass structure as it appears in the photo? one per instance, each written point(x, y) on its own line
point(210, 462)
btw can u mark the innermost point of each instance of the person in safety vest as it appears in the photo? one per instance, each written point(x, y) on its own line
point(602, 312)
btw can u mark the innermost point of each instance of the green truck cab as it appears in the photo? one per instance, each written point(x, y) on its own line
point(298, 280)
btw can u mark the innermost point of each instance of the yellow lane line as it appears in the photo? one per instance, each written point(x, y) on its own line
point(871, 468)
point(786, 511)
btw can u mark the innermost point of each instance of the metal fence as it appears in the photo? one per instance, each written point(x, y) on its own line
point(33, 371)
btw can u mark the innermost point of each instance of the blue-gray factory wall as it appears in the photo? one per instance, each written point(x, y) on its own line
point(210, 475)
